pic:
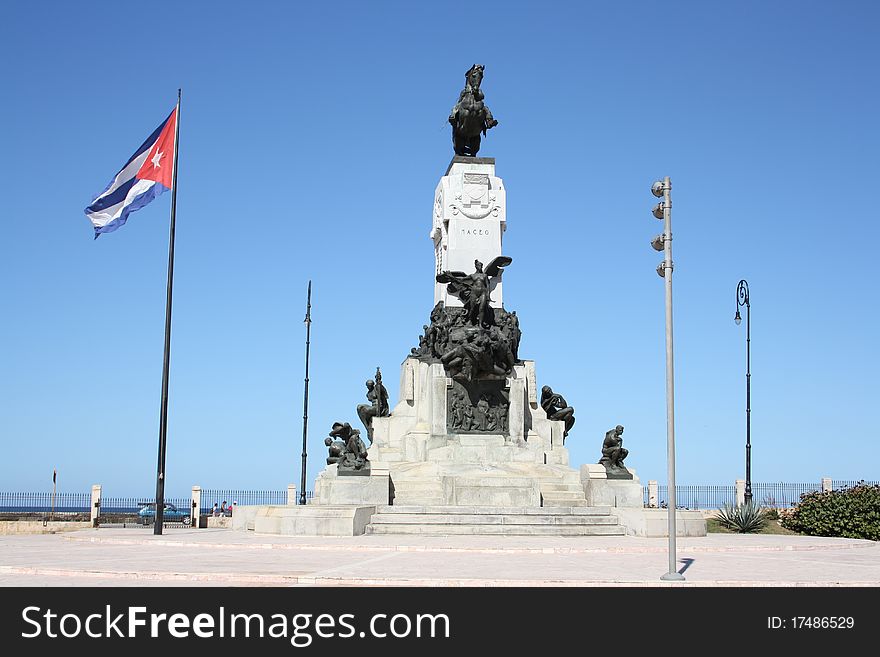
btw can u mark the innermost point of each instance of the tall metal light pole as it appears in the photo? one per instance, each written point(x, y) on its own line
point(742, 299)
point(308, 323)
point(663, 210)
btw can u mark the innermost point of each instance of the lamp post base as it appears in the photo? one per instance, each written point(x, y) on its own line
point(672, 577)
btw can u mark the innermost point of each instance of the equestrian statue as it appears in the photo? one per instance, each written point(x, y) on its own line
point(470, 117)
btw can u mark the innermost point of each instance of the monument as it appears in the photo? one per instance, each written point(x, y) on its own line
point(473, 444)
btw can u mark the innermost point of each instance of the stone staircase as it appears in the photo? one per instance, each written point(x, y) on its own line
point(426, 491)
point(566, 490)
point(481, 520)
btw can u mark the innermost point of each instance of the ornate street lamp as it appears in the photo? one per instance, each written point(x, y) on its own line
point(742, 299)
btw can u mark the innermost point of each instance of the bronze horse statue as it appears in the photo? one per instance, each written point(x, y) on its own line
point(470, 117)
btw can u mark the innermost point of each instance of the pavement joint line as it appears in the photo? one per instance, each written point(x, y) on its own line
point(611, 549)
point(306, 580)
point(364, 562)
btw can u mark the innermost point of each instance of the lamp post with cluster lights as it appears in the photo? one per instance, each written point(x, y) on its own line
point(663, 242)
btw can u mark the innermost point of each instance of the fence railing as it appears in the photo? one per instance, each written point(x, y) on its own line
point(780, 495)
point(211, 496)
point(695, 497)
point(131, 505)
point(777, 495)
point(43, 502)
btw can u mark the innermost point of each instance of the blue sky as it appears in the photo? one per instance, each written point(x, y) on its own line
point(312, 138)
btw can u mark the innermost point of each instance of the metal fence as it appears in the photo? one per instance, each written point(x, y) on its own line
point(777, 495)
point(695, 497)
point(44, 503)
point(69, 503)
point(211, 496)
point(131, 505)
point(781, 495)
point(850, 484)
point(123, 512)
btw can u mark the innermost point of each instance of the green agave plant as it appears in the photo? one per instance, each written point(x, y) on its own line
point(745, 519)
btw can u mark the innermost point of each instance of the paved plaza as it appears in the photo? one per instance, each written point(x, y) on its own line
point(218, 557)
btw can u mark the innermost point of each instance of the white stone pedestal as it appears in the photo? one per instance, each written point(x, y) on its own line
point(654, 523)
point(333, 489)
point(601, 491)
point(313, 520)
point(468, 223)
point(627, 498)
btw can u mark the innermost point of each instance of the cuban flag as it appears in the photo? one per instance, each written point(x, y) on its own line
point(147, 174)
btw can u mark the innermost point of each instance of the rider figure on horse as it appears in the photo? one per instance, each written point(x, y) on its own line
point(470, 117)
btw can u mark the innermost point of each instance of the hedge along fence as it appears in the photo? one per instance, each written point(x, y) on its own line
point(848, 512)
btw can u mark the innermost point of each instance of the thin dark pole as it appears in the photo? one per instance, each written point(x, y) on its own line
point(748, 493)
point(742, 299)
point(166, 358)
point(308, 323)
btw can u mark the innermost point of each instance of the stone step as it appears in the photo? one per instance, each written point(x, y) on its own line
point(508, 530)
point(422, 500)
point(478, 440)
point(502, 481)
point(426, 491)
point(560, 486)
point(563, 494)
point(569, 502)
point(418, 485)
point(496, 510)
point(488, 519)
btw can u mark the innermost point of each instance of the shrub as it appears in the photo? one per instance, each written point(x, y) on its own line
point(746, 519)
point(846, 512)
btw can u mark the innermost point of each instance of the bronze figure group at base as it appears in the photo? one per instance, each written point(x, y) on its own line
point(474, 341)
point(348, 451)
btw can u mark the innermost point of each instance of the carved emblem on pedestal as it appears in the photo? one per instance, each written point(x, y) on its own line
point(476, 200)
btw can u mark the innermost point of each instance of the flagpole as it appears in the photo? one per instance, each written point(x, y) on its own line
point(54, 476)
point(166, 359)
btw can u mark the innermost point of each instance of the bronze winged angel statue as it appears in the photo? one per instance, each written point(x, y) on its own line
point(473, 289)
